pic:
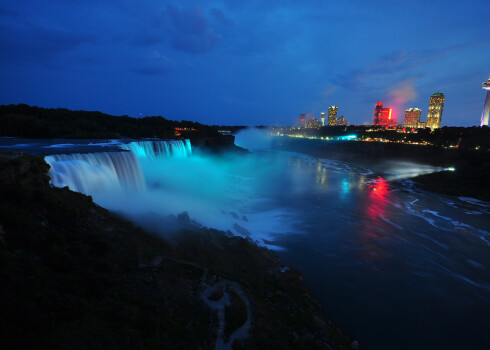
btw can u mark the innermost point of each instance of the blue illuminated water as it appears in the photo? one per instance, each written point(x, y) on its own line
point(394, 266)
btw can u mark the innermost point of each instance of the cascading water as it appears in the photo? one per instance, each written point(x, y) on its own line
point(151, 180)
point(92, 172)
point(156, 149)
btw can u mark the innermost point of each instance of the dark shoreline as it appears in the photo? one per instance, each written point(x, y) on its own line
point(470, 178)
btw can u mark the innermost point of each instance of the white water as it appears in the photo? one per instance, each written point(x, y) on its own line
point(91, 173)
point(154, 179)
point(159, 149)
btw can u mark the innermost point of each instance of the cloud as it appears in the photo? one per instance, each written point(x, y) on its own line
point(404, 94)
point(398, 62)
point(156, 64)
point(147, 38)
point(330, 90)
point(7, 12)
point(191, 30)
point(220, 17)
point(31, 43)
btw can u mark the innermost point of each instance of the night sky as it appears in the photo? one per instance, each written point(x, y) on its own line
point(246, 62)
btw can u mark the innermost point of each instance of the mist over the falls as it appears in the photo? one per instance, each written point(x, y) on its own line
point(152, 182)
point(157, 179)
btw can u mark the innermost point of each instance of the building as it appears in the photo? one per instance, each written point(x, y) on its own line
point(302, 121)
point(486, 106)
point(313, 123)
point(306, 122)
point(436, 106)
point(322, 117)
point(383, 116)
point(422, 125)
point(332, 115)
point(412, 118)
point(342, 122)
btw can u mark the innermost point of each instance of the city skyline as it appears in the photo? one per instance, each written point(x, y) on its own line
point(245, 63)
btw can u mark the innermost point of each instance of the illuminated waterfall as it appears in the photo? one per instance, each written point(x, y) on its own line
point(157, 149)
point(91, 173)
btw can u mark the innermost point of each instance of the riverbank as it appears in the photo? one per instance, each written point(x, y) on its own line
point(75, 275)
point(472, 168)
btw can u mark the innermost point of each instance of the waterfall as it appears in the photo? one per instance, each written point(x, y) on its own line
point(91, 173)
point(158, 149)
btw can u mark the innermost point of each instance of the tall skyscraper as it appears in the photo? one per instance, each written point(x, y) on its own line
point(436, 106)
point(382, 116)
point(412, 118)
point(486, 106)
point(332, 115)
point(322, 117)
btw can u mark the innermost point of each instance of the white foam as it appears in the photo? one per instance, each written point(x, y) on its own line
point(390, 222)
point(473, 212)
point(474, 201)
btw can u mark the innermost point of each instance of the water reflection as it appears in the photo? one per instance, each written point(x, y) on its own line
point(321, 174)
point(374, 236)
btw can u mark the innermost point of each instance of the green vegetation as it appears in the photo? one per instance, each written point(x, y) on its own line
point(75, 276)
point(70, 275)
point(34, 122)
point(235, 314)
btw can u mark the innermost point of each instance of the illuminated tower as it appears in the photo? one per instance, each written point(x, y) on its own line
point(322, 117)
point(332, 115)
point(436, 106)
point(382, 116)
point(486, 106)
point(412, 118)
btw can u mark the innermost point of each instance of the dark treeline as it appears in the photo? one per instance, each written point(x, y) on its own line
point(466, 138)
point(34, 122)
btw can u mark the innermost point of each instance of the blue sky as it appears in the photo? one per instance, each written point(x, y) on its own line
point(246, 62)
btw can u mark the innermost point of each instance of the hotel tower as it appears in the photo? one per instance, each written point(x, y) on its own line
point(436, 106)
point(332, 115)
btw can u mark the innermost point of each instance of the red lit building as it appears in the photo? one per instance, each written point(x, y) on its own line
point(382, 116)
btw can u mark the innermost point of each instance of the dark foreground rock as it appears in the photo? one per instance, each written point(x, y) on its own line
point(75, 276)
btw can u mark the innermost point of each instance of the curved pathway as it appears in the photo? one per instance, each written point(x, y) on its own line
point(219, 305)
point(241, 333)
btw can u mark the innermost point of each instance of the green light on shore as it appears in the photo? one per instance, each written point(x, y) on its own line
point(451, 169)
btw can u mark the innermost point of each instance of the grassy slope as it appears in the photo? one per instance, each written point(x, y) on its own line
point(70, 278)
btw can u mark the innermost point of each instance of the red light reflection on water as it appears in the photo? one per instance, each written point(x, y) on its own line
point(377, 198)
point(372, 238)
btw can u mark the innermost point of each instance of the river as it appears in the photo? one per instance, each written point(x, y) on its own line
point(395, 267)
